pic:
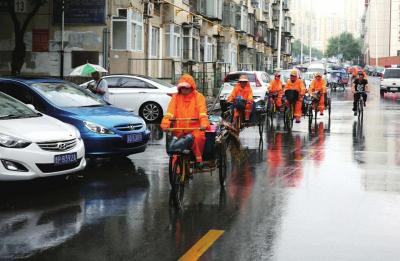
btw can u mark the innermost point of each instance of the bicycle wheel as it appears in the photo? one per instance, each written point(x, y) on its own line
point(329, 109)
point(310, 116)
point(222, 160)
point(261, 122)
point(179, 176)
point(289, 118)
point(360, 110)
point(170, 172)
point(316, 113)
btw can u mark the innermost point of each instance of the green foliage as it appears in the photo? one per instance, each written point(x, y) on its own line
point(296, 50)
point(344, 44)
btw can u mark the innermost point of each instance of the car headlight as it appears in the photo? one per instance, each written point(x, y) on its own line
point(78, 134)
point(13, 142)
point(97, 128)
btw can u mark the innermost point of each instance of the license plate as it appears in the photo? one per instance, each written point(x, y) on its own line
point(393, 89)
point(135, 137)
point(65, 159)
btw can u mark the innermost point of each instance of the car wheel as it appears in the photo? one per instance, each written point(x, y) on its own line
point(151, 112)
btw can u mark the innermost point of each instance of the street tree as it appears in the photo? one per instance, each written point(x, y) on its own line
point(344, 44)
point(21, 22)
point(296, 50)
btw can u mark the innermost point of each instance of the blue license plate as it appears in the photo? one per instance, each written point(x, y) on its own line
point(134, 137)
point(65, 159)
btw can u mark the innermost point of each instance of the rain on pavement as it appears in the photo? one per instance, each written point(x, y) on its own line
point(328, 194)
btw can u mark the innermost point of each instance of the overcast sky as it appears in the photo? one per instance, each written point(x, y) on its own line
point(329, 7)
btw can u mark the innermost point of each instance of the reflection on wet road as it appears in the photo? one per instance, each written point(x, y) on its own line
point(329, 193)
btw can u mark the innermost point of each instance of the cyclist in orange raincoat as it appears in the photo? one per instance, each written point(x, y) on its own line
point(188, 103)
point(294, 83)
point(276, 86)
point(242, 88)
point(319, 85)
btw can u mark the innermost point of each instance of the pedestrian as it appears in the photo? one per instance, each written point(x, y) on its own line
point(189, 109)
point(242, 89)
point(100, 87)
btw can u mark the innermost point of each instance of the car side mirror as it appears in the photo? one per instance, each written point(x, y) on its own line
point(30, 106)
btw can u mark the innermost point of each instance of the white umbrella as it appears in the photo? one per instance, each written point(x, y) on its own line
point(87, 69)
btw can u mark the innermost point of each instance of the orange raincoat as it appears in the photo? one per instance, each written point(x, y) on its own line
point(298, 85)
point(319, 86)
point(246, 93)
point(276, 86)
point(191, 106)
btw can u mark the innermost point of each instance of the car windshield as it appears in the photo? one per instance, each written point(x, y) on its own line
point(65, 94)
point(308, 76)
point(162, 82)
point(234, 77)
point(13, 109)
point(392, 73)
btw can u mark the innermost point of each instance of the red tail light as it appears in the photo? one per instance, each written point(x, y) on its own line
point(226, 78)
point(258, 83)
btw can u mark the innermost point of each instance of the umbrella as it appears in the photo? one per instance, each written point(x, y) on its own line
point(87, 69)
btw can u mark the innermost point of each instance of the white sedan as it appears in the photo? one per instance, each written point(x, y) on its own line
point(34, 145)
point(146, 96)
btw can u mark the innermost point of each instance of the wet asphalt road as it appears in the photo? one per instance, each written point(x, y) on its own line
point(328, 194)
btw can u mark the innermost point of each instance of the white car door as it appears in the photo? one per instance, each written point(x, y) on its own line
point(128, 94)
point(112, 83)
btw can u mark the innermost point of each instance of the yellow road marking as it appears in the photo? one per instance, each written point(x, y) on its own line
point(202, 245)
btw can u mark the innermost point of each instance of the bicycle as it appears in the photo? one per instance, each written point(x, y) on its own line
point(271, 107)
point(182, 164)
point(259, 110)
point(291, 97)
point(360, 106)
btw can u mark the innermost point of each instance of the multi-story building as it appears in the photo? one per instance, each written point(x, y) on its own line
point(317, 27)
point(159, 38)
point(380, 31)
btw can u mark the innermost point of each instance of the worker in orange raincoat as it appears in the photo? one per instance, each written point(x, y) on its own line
point(188, 103)
point(276, 86)
point(242, 88)
point(319, 85)
point(294, 83)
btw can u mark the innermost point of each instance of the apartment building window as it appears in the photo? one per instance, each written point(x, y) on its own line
point(229, 14)
point(191, 43)
point(241, 18)
point(251, 24)
point(137, 31)
point(210, 8)
point(155, 41)
point(127, 30)
point(209, 46)
point(173, 36)
point(214, 8)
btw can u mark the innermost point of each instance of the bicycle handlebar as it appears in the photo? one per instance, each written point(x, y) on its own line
point(181, 129)
point(184, 119)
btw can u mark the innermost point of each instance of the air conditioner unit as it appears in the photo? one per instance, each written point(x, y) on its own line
point(148, 9)
point(197, 21)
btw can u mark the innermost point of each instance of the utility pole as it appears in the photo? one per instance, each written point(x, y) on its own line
point(302, 38)
point(376, 33)
point(280, 34)
point(310, 29)
point(62, 40)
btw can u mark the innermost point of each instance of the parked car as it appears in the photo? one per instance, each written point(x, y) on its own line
point(378, 71)
point(390, 81)
point(307, 78)
point(259, 82)
point(34, 145)
point(105, 130)
point(146, 96)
